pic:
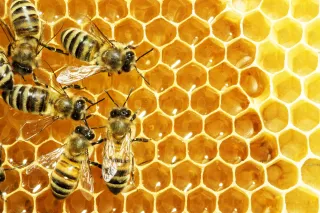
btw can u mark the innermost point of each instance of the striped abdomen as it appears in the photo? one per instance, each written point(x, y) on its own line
point(24, 18)
point(6, 74)
point(27, 98)
point(65, 176)
point(80, 44)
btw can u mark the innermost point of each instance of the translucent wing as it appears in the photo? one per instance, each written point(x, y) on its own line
point(73, 74)
point(109, 163)
point(86, 177)
point(125, 147)
point(34, 127)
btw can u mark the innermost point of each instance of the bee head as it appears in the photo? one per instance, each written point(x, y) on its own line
point(128, 59)
point(85, 131)
point(21, 68)
point(121, 113)
point(2, 175)
point(79, 109)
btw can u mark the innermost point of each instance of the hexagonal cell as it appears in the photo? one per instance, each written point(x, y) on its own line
point(266, 200)
point(245, 5)
point(222, 76)
point(202, 149)
point(35, 181)
point(286, 87)
point(46, 202)
point(19, 202)
point(107, 202)
point(305, 116)
point(249, 176)
point(160, 32)
point(191, 76)
point(176, 54)
point(62, 129)
point(307, 200)
point(234, 101)
point(275, 115)
point(57, 10)
point(302, 60)
point(170, 201)
point(205, 100)
point(275, 9)
point(217, 176)
point(171, 150)
point(287, 32)
point(210, 52)
point(157, 126)
point(79, 201)
point(142, 100)
point(106, 106)
point(156, 177)
point(193, 30)
point(149, 60)
point(248, 124)
point(160, 78)
point(271, 57)
point(264, 148)
point(227, 26)
point(209, 9)
point(188, 125)
point(11, 183)
point(143, 152)
point(312, 34)
point(140, 201)
point(174, 101)
point(88, 8)
point(233, 150)
point(176, 10)
point(201, 200)
point(233, 200)
point(282, 174)
point(128, 31)
point(218, 125)
point(305, 10)
point(256, 26)
point(144, 10)
point(20, 153)
point(241, 53)
point(112, 10)
point(312, 87)
point(186, 176)
point(314, 142)
point(9, 133)
point(310, 172)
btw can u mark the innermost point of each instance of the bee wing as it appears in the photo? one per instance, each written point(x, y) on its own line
point(34, 127)
point(73, 74)
point(86, 177)
point(109, 164)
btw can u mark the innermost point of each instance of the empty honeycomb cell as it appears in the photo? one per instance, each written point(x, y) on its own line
point(312, 85)
point(264, 148)
point(57, 10)
point(157, 126)
point(249, 175)
point(314, 142)
point(191, 76)
point(234, 101)
point(142, 100)
point(98, 83)
point(305, 116)
point(174, 101)
point(217, 176)
point(202, 149)
point(156, 177)
point(188, 124)
point(9, 133)
point(210, 52)
point(126, 81)
point(20, 202)
point(305, 10)
point(87, 8)
point(223, 76)
point(293, 144)
point(266, 200)
point(79, 201)
point(47, 203)
point(302, 200)
point(312, 35)
point(248, 124)
point(226, 26)
point(275, 9)
point(245, 5)
point(128, 31)
point(186, 176)
point(176, 10)
point(147, 61)
point(275, 115)
point(205, 100)
point(170, 201)
point(271, 57)
point(144, 10)
point(241, 53)
point(176, 54)
point(160, 78)
point(282, 174)
point(287, 32)
point(218, 125)
point(233, 200)
point(108, 202)
point(160, 32)
point(256, 26)
point(143, 152)
point(62, 129)
point(310, 171)
point(171, 150)
point(140, 201)
point(233, 150)
point(201, 200)
point(11, 183)
point(35, 181)
point(286, 86)
point(209, 9)
point(112, 10)
point(20, 153)
point(193, 30)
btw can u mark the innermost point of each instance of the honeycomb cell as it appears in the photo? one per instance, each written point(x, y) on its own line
point(47, 147)
point(223, 76)
point(106, 106)
point(201, 200)
point(266, 200)
point(174, 101)
point(160, 32)
point(312, 87)
point(314, 142)
point(170, 201)
point(186, 176)
point(248, 124)
point(310, 172)
point(107, 202)
point(241, 53)
point(144, 10)
point(217, 176)
point(287, 32)
point(256, 26)
point(302, 60)
point(249, 176)
point(305, 10)
point(233, 150)
point(171, 150)
point(123, 83)
point(234, 101)
point(227, 26)
point(176, 10)
point(210, 52)
point(57, 10)
point(160, 78)
point(218, 125)
point(112, 10)
point(245, 5)
point(209, 9)
point(264, 148)
point(176, 54)
point(128, 31)
point(88, 8)
point(9, 133)
point(191, 76)
point(275, 115)
point(233, 200)
point(62, 129)
point(286, 87)
point(140, 201)
point(193, 30)
point(282, 174)
point(188, 124)
point(19, 202)
point(11, 183)
point(47, 203)
point(312, 35)
point(202, 149)
point(205, 100)
point(79, 201)
point(35, 181)
point(142, 100)
point(302, 200)
point(305, 116)
point(271, 57)
point(156, 177)
point(20, 153)
point(275, 9)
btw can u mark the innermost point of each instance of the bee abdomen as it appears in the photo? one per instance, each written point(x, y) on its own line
point(6, 74)
point(120, 179)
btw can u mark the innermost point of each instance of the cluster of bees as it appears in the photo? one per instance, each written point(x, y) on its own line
point(70, 162)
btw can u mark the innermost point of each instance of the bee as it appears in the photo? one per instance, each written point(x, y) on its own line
point(6, 74)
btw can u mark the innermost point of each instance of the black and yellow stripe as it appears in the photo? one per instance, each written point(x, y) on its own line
point(6, 74)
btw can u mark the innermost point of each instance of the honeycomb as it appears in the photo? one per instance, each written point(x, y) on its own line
point(232, 110)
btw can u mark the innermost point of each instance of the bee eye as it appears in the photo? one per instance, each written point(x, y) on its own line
point(128, 113)
point(114, 113)
point(78, 129)
point(90, 135)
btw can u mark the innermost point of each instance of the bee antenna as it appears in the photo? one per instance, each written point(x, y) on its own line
point(55, 78)
point(95, 103)
point(111, 98)
point(142, 75)
point(128, 97)
point(85, 122)
point(144, 54)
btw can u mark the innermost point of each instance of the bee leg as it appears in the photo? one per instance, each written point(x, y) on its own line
point(95, 164)
point(74, 86)
point(99, 141)
point(9, 49)
point(134, 116)
point(37, 82)
point(140, 140)
point(53, 49)
point(130, 47)
point(109, 74)
point(132, 170)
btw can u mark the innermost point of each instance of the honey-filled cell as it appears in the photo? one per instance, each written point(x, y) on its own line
point(264, 147)
point(234, 101)
point(176, 10)
point(302, 200)
point(156, 177)
point(142, 100)
point(312, 34)
point(233, 150)
point(205, 100)
point(11, 183)
point(248, 124)
point(218, 125)
point(217, 176)
point(202, 149)
point(275, 115)
point(241, 53)
point(193, 30)
point(160, 32)
point(157, 126)
point(233, 200)
point(160, 78)
point(176, 54)
point(201, 200)
point(21, 153)
point(170, 201)
point(35, 181)
point(266, 199)
point(79, 201)
point(20, 202)
point(188, 125)
point(144, 10)
point(148, 56)
point(191, 76)
point(88, 8)
point(245, 5)
point(143, 152)
point(128, 30)
point(112, 10)
point(174, 101)
point(208, 9)
point(223, 76)
point(311, 86)
point(107, 202)
point(249, 175)
point(186, 176)
point(47, 203)
point(210, 52)
point(58, 10)
point(171, 150)
point(140, 201)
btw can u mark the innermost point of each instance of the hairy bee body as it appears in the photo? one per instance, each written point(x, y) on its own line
point(6, 75)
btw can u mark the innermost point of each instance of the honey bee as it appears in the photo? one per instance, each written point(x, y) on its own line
point(6, 74)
